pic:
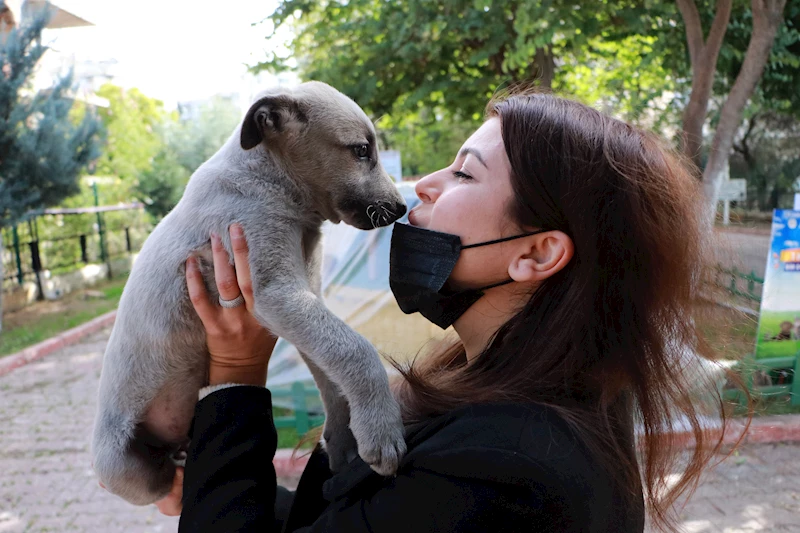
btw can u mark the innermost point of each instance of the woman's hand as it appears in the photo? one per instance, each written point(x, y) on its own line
point(239, 346)
point(172, 504)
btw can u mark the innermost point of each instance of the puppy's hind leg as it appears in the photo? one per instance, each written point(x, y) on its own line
point(129, 461)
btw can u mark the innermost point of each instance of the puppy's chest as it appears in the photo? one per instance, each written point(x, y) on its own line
point(312, 239)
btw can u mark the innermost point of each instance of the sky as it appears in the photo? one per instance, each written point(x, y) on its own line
point(173, 50)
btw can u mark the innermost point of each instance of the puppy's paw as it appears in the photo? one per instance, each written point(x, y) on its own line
point(340, 446)
point(380, 437)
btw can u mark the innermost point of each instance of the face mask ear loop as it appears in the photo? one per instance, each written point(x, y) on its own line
point(504, 239)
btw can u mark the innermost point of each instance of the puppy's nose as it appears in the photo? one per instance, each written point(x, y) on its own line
point(400, 209)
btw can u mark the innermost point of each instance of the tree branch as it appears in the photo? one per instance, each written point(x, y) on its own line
point(694, 29)
point(718, 27)
point(767, 18)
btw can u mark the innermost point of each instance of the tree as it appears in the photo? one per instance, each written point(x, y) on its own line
point(626, 56)
point(426, 143)
point(766, 155)
point(185, 145)
point(428, 67)
point(131, 120)
point(160, 187)
point(767, 19)
point(42, 151)
point(196, 140)
point(445, 54)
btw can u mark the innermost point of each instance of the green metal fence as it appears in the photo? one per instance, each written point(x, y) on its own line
point(64, 239)
point(302, 420)
point(739, 283)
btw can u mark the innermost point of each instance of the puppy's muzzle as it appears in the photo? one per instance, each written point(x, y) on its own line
point(373, 215)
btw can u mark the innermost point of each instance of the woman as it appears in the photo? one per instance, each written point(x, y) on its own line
point(572, 297)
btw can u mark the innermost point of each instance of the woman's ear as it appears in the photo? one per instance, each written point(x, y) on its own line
point(541, 256)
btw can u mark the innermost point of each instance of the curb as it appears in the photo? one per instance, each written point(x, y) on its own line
point(764, 430)
point(290, 463)
point(53, 344)
point(780, 428)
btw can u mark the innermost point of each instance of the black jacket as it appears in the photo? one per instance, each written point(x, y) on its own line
point(484, 468)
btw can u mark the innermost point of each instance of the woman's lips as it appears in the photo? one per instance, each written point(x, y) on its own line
point(412, 217)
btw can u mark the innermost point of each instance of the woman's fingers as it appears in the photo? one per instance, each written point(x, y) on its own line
point(240, 253)
point(172, 505)
point(197, 293)
point(224, 274)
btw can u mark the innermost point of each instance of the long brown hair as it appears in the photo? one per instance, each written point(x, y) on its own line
point(609, 339)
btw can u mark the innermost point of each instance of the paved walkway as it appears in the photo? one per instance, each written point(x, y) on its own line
point(46, 482)
point(755, 490)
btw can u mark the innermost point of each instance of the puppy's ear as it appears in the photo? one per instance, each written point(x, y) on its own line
point(269, 116)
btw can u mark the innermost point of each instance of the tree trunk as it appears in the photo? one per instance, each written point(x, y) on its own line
point(767, 18)
point(703, 55)
point(545, 66)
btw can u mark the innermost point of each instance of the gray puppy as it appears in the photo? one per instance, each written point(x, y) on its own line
point(300, 157)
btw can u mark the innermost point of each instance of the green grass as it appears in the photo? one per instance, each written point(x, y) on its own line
point(288, 437)
point(20, 334)
point(769, 407)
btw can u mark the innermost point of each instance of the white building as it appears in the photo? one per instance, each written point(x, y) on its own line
point(88, 75)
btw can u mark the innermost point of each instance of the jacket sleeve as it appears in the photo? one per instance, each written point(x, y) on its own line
point(229, 482)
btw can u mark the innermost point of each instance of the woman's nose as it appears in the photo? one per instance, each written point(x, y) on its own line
point(428, 189)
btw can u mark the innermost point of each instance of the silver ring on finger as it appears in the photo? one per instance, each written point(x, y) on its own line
point(231, 304)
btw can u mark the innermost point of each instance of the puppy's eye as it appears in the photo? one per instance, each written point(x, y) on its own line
point(361, 151)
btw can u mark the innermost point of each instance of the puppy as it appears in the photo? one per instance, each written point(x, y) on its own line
point(300, 157)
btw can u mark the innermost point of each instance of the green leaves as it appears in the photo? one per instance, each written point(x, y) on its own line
point(447, 57)
point(130, 119)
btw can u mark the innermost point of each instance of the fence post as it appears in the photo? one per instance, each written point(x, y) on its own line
point(84, 251)
point(36, 263)
point(101, 232)
point(795, 392)
point(15, 236)
point(128, 239)
point(300, 408)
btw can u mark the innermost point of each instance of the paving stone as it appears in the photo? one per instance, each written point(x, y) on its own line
point(46, 482)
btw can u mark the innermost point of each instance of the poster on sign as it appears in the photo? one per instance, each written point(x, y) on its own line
point(779, 323)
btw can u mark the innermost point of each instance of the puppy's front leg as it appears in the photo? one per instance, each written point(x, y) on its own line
point(286, 304)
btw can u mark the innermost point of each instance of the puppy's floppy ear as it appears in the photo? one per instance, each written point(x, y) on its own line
point(268, 116)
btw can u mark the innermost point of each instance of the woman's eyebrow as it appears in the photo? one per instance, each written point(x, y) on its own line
point(472, 151)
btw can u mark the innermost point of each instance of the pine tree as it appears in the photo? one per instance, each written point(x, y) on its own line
point(42, 149)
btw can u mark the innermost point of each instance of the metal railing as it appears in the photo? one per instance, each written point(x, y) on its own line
point(62, 240)
point(302, 420)
point(732, 280)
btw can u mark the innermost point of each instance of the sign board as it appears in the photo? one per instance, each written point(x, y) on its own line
point(779, 322)
point(733, 190)
point(391, 162)
point(797, 201)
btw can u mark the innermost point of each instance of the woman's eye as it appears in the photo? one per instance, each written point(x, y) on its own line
point(361, 151)
point(462, 175)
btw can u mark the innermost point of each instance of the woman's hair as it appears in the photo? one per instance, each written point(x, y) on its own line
point(610, 340)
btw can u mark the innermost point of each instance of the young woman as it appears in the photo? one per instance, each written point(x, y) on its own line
point(572, 294)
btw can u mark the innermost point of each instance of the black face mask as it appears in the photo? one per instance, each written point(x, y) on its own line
point(420, 263)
